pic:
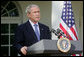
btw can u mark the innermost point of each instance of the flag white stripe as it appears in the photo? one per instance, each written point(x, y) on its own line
point(75, 30)
point(77, 55)
point(68, 30)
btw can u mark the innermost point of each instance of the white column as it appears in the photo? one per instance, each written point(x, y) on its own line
point(56, 15)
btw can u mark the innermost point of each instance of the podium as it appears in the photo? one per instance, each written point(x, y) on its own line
point(49, 47)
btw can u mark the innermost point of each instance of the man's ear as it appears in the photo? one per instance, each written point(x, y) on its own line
point(28, 14)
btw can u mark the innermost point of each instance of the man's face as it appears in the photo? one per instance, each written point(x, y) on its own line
point(34, 15)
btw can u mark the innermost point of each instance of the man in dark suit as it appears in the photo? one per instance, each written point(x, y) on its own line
point(27, 33)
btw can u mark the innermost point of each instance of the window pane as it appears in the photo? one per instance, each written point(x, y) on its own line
point(13, 52)
point(4, 39)
point(4, 13)
point(13, 27)
point(4, 3)
point(11, 39)
point(10, 6)
point(14, 13)
point(4, 28)
point(4, 51)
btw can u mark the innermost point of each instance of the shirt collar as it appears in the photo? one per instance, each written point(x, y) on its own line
point(32, 23)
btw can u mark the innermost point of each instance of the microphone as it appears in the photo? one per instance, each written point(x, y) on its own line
point(58, 32)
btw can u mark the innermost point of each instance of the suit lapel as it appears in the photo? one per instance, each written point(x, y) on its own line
point(41, 31)
point(30, 30)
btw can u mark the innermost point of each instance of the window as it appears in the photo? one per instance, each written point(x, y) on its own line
point(8, 9)
point(7, 36)
point(10, 19)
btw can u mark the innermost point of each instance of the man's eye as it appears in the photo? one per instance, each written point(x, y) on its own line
point(36, 12)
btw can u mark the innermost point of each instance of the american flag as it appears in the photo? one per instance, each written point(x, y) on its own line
point(67, 22)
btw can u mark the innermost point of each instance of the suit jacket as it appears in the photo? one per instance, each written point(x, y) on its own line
point(25, 35)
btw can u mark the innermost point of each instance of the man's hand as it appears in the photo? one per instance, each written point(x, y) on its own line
point(24, 50)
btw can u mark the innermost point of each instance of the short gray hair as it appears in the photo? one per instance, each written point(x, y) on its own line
point(28, 9)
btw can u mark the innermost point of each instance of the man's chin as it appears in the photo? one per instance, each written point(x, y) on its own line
point(36, 20)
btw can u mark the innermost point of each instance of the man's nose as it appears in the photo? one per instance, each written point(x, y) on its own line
point(37, 14)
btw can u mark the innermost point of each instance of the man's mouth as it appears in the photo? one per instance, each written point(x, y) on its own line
point(37, 17)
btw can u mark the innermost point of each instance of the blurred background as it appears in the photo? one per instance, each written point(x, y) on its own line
point(13, 14)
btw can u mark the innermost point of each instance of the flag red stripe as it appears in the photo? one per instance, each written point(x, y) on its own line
point(65, 32)
point(74, 55)
point(79, 54)
point(74, 32)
